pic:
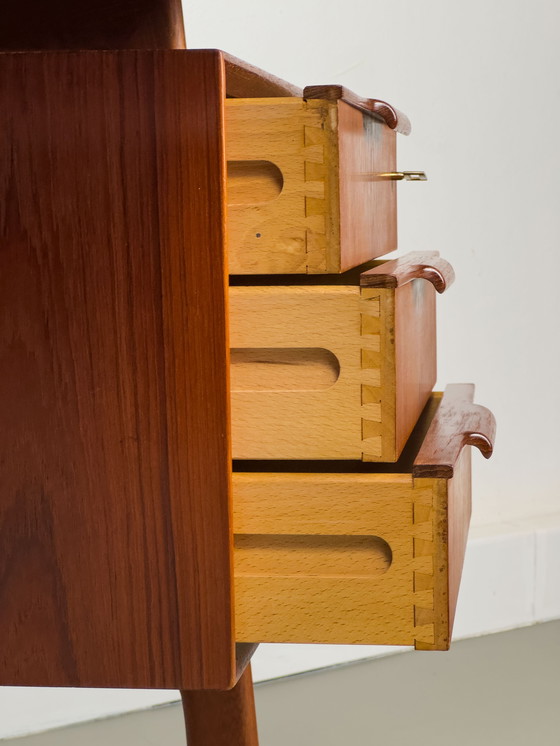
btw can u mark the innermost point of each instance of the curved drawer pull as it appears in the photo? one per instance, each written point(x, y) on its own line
point(457, 423)
point(376, 108)
point(423, 265)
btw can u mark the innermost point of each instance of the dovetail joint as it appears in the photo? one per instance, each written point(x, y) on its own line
point(422, 537)
point(315, 186)
point(371, 383)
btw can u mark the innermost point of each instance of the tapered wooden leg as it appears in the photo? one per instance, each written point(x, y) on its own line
point(215, 718)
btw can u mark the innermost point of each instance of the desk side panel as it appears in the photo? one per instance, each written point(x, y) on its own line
point(115, 560)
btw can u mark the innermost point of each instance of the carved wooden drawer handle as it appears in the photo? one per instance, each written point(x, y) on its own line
point(392, 117)
point(457, 423)
point(415, 265)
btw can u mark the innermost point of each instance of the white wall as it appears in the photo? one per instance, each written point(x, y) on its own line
point(480, 82)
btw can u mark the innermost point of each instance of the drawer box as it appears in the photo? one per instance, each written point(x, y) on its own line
point(305, 187)
point(339, 371)
point(362, 554)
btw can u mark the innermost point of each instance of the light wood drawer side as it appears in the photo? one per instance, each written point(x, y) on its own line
point(329, 371)
point(343, 559)
point(303, 195)
point(361, 557)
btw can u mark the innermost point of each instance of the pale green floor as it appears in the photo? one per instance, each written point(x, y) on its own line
point(500, 689)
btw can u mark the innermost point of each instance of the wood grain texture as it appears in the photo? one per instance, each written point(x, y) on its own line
point(114, 500)
point(320, 591)
point(91, 24)
point(344, 466)
point(459, 517)
point(320, 211)
point(247, 81)
point(451, 517)
point(368, 207)
point(304, 419)
point(378, 377)
point(271, 236)
point(381, 110)
point(453, 502)
point(330, 371)
point(218, 718)
point(458, 423)
point(415, 355)
point(416, 265)
point(327, 599)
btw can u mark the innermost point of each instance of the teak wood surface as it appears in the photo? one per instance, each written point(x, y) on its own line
point(392, 117)
point(416, 265)
point(222, 718)
point(115, 568)
point(39, 25)
point(460, 423)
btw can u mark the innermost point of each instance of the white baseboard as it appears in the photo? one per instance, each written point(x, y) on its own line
point(511, 579)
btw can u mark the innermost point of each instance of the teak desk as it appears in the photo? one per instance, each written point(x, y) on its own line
point(116, 528)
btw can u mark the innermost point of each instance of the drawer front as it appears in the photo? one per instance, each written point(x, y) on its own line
point(366, 557)
point(302, 192)
point(329, 372)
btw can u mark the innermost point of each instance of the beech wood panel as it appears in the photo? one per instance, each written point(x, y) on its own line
point(363, 556)
point(332, 371)
point(316, 412)
point(91, 24)
point(114, 498)
point(328, 602)
point(222, 718)
point(295, 231)
point(317, 205)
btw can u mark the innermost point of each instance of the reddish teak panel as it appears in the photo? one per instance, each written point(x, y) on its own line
point(114, 409)
point(91, 24)
point(415, 354)
point(392, 117)
point(459, 423)
point(368, 205)
point(222, 718)
point(416, 265)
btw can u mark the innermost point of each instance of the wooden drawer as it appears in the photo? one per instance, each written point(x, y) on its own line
point(363, 554)
point(305, 191)
point(339, 371)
